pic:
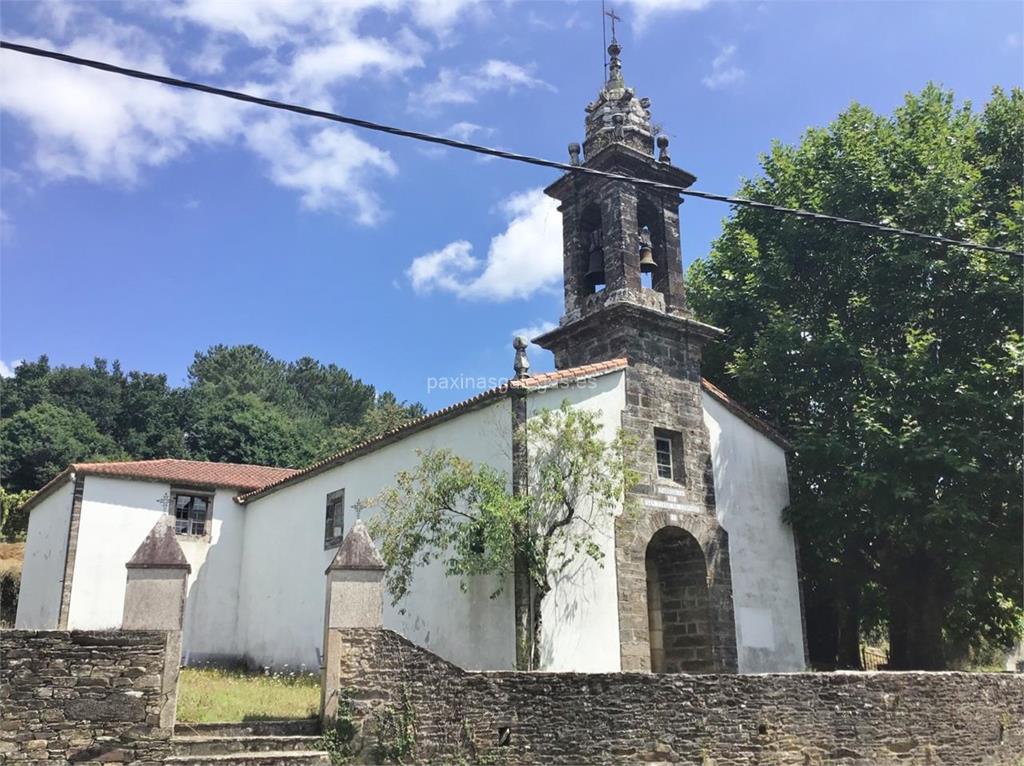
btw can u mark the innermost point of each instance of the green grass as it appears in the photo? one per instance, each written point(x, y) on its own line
point(208, 695)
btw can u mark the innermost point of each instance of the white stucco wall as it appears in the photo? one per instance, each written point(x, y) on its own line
point(751, 490)
point(42, 573)
point(281, 610)
point(117, 514)
point(580, 626)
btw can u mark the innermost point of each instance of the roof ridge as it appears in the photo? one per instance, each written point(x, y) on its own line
point(574, 373)
point(150, 461)
point(754, 421)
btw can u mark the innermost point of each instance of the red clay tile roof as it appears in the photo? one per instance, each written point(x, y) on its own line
point(534, 382)
point(183, 472)
point(257, 480)
point(191, 472)
point(569, 375)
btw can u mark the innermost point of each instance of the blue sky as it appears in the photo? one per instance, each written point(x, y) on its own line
point(142, 224)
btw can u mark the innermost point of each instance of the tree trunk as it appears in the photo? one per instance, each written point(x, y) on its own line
point(848, 640)
point(523, 611)
point(917, 609)
point(539, 591)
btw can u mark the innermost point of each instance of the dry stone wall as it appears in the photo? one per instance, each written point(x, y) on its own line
point(82, 696)
point(398, 695)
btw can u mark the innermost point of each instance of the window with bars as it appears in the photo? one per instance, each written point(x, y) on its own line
point(334, 518)
point(191, 512)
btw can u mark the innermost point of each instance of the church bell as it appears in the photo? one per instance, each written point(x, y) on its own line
point(647, 264)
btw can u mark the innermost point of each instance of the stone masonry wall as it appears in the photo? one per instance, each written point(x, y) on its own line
point(663, 392)
point(847, 719)
point(82, 696)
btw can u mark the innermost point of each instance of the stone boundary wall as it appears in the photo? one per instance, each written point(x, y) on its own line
point(389, 685)
point(83, 696)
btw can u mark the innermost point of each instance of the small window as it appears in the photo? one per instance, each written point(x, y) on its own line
point(663, 454)
point(668, 455)
point(191, 512)
point(334, 521)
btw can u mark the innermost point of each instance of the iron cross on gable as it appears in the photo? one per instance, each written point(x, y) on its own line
point(612, 15)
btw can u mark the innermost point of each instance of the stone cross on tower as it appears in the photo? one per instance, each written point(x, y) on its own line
point(615, 232)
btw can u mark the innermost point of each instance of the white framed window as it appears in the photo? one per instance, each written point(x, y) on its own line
point(663, 457)
point(668, 455)
point(334, 518)
point(192, 510)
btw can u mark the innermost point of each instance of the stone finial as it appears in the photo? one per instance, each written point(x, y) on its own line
point(160, 549)
point(357, 551)
point(574, 153)
point(521, 364)
point(614, 64)
point(663, 149)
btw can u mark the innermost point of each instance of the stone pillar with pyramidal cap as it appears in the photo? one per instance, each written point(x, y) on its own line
point(154, 599)
point(354, 599)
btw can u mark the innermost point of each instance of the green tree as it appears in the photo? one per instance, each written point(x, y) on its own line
point(467, 516)
point(13, 520)
point(241, 404)
point(895, 366)
point(242, 428)
point(38, 443)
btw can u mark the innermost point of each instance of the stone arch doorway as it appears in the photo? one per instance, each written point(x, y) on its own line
point(678, 604)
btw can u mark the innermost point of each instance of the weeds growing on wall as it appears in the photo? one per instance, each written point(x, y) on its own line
point(339, 734)
point(396, 730)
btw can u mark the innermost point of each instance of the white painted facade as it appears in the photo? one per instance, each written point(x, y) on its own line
point(257, 586)
point(42, 573)
point(751, 490)
point(580, 616)
point(281, 609)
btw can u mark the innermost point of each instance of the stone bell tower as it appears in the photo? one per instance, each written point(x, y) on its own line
point(625, 297)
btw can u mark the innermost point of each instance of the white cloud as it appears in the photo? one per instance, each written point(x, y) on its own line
point(97, 126)
point(210, 60)
point(724, 71)
point(523, 259)
point(330, 170)
point(535, 329)
point(645, 10)
point(460, 131)
point(7, 370)
point(454, 86)
point(443, 269)
point(464, 131)
point(102, 128)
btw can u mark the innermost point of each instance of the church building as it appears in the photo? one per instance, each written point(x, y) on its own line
point(699, 576)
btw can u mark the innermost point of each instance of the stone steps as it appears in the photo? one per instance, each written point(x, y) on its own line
point(252, 743)
point(290, 727)
point(283, 757)
point(216, 745)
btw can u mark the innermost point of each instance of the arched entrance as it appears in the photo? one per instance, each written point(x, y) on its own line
point(677, 604)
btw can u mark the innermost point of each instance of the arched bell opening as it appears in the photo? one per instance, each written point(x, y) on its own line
point(678, 605)
point(651, 238)
point(592, 250)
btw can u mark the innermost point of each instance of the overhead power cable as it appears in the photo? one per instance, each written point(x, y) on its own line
point(492, 152)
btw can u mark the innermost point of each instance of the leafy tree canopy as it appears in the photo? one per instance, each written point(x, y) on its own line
point(468, 518)
point(240, 405)
point(894, 365)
